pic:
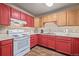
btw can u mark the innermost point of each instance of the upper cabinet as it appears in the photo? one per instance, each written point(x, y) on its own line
point(4, 15)
point(15, 14)
point(7, 12)
point(72, 15)
point(23, 16)
point(61, 18)
point(49, 18)
point(37, 22)
point(30, 21)
point(67, 17)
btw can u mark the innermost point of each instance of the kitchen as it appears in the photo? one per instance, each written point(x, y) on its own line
point(39, 29)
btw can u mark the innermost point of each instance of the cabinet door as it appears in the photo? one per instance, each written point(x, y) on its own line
point(15, 14)
point(37, 22)
point(72, 17)
point(33, 41)
point(75, 45)
point(63, 47)
point(7, 50)
point(43, 41)
point(77, 22)
point(4, 15)
point(51, 42)
point(30, 21)
point(50, 18)
point(0, 13)
point(23, 16)
point(61, 18)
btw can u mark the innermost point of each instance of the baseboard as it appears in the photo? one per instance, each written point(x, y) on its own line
point(53, 50)
point(34, 46)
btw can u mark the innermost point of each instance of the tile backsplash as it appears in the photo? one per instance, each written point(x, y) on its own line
point(50, 28)
point(3, 30)
point(72, 29)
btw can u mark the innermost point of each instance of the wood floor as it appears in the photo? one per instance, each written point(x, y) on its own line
point(40, 51)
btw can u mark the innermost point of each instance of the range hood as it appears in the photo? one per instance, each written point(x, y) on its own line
point(16, 22)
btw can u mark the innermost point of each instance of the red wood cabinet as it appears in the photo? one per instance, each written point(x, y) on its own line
point(6, 48)
point(30, 21)
point(63, 47)
point(43, 40)
point(33, 40)
point(47, 41)
point(15, 14)
point(4, 15)
point(39, 39)
point(75, 46)
point(51, 42)
point(23, 16)
point(67, 45)
point(64, 44)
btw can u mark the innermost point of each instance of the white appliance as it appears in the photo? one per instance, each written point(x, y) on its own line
point(17, 22)
point(21, 41)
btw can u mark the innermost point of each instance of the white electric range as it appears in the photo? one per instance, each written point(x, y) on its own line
point(21, 42)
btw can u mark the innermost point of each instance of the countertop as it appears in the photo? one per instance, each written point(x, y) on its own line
point(4, 37)
point(73, 35)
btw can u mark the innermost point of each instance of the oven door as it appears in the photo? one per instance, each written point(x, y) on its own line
point(21, 45)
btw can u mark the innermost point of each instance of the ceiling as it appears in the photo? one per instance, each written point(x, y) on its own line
point(38, 9)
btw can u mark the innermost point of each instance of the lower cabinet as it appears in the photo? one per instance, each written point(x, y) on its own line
point(51, 42)
point(6, 48)
point(75, 46)
point(43, 40)
point(32, 44)
point(33, 40)
point(63, 47)
point(47, 41)
point(67, 45)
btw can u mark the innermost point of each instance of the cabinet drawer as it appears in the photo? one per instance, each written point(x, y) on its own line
point(33, 41)
point(62, 38)
point(33, 37)
point(4, 42)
